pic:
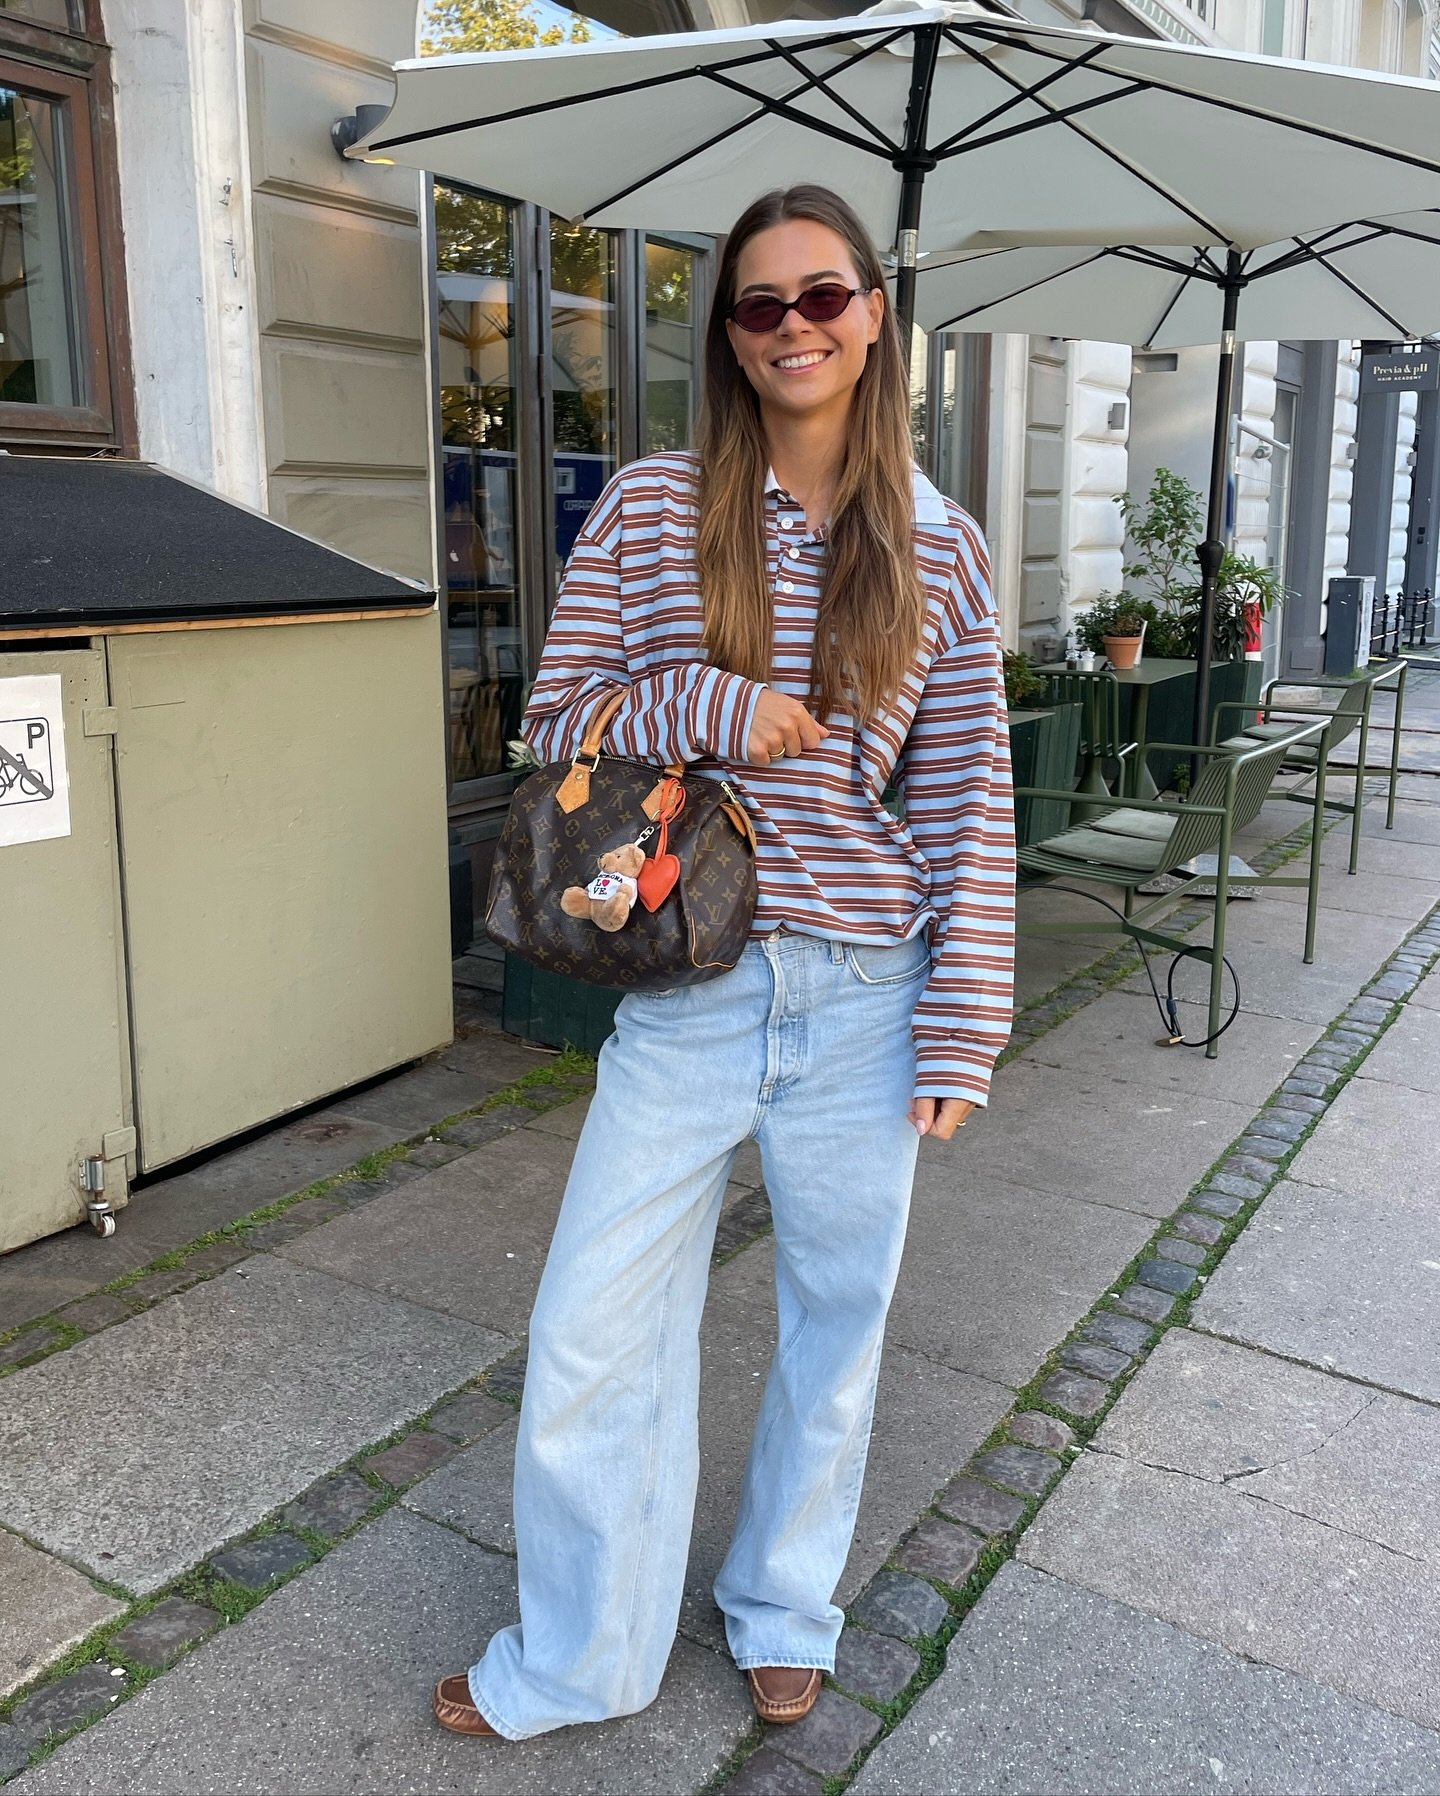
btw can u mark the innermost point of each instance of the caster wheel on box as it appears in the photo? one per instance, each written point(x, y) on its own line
point(103, 1225)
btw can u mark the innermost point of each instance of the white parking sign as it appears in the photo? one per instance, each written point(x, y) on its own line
point(34, 787)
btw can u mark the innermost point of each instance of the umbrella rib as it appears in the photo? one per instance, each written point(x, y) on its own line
point(1186, 276)
point(1066, 117)
point(1160, 86)
point(1006, 106)
point(733, 130)
point(621, 89)
point(1316, 255)
point(783, 109)
point(1004, 299)
point(823, 83)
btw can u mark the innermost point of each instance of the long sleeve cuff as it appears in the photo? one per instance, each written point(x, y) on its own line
point(955, 1066)
point(723, 712)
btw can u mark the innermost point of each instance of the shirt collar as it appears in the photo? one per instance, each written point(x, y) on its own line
point(929, 504)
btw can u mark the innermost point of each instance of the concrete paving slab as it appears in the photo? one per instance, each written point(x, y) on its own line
point(1221, 1412)
point(565, 1120)
point(1409, 1051)
point(469, 1238)
point(1414, 822)
point(1277, 1587)
point(1089, 1136)
point(1049, 1688)
point(415, 1099)
point(324, 1690)
point(1370, 891)
point(1120, 1032)
point(1355, 1149)
point(138, 1451)
point(1427, 993)
point(233, 1184)
point(474, 1491)
point(995, 1274)
point(1340, 1453)
point(1384, 853)
point(1264, 944)
point(48, 1608)
point(1329, 1278)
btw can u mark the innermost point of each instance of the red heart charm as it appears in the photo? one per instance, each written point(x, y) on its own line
point(657, 878)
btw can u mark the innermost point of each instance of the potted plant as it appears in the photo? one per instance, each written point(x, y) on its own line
point(1163, 532)
point(1115, 625)
point(1021, 680)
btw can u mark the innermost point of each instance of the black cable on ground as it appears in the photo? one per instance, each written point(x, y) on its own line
point(1167, 1006)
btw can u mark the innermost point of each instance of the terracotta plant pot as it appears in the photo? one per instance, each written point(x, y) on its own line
point(1124, 651)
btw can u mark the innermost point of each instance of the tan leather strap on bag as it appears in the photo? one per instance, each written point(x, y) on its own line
point(574, 789)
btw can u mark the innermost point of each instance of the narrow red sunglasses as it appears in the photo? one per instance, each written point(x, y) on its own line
point(763, 311)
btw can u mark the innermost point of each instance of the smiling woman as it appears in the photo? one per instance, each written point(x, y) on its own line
point(796, 611)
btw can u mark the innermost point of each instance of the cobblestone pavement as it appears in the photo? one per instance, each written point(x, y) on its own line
point(1152, 1501)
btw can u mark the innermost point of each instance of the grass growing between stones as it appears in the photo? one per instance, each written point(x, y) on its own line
point(568, 1076)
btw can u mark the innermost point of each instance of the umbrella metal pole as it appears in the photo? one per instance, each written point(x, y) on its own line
point(912, 165)
point(1211, 552)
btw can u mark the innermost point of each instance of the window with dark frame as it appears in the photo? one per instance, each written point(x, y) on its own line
point(64, 364)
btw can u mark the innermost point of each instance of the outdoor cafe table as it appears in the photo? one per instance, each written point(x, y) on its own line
point(1155, 671)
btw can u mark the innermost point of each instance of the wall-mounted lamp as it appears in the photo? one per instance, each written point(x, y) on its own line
point(1117, 415)
point(346, 132)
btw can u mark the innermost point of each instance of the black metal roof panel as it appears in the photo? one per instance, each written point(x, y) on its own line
point(96, 542)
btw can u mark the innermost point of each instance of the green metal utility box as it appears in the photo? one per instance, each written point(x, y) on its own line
point(223, 861)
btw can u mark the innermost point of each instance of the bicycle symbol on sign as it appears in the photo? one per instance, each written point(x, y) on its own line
point(14, 772)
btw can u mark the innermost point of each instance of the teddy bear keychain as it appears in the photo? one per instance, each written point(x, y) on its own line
point(627, 874)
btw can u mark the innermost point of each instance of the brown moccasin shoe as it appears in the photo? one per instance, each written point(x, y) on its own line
point(784, 1693)
point(455, 1710)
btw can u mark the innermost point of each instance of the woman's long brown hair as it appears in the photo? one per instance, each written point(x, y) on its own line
point(872, 606)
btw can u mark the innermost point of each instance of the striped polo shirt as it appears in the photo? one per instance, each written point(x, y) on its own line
point(830, 858)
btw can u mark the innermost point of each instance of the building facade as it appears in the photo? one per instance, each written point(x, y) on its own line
point(440, 380)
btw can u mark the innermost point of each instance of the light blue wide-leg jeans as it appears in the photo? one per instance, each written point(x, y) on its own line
point(806, 1046)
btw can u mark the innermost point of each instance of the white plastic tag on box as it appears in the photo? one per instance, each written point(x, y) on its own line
point(34, 784)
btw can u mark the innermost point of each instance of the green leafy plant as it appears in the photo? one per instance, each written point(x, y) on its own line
point(1114, 614)
point(1021, 679)
point(1164, 531)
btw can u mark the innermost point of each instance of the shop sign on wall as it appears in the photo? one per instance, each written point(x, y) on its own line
point(34, 785)
point(1399, 370)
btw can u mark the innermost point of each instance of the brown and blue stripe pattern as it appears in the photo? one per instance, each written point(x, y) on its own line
point(831, 860)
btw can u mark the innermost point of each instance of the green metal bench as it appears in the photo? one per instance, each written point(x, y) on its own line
point(1128, 843)
point(1351, 711)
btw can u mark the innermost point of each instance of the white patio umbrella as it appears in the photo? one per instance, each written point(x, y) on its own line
point(1375, 277)
point(999, 124)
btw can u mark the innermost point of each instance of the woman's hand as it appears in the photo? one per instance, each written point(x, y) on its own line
point(939, 1117)
point(781, 726)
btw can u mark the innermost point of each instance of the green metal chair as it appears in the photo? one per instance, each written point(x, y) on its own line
point(1350, 711)
point(1098, 695)
point(1131, 842)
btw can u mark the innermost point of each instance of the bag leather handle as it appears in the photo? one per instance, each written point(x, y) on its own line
point(574, 789)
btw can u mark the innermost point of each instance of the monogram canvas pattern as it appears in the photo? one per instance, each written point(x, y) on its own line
point(697, 933)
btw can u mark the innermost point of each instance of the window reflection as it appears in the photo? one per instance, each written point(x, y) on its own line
point(65, 15)
point(39, 359)
point(478, 407)
point(669, 347)
point(582, 363)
